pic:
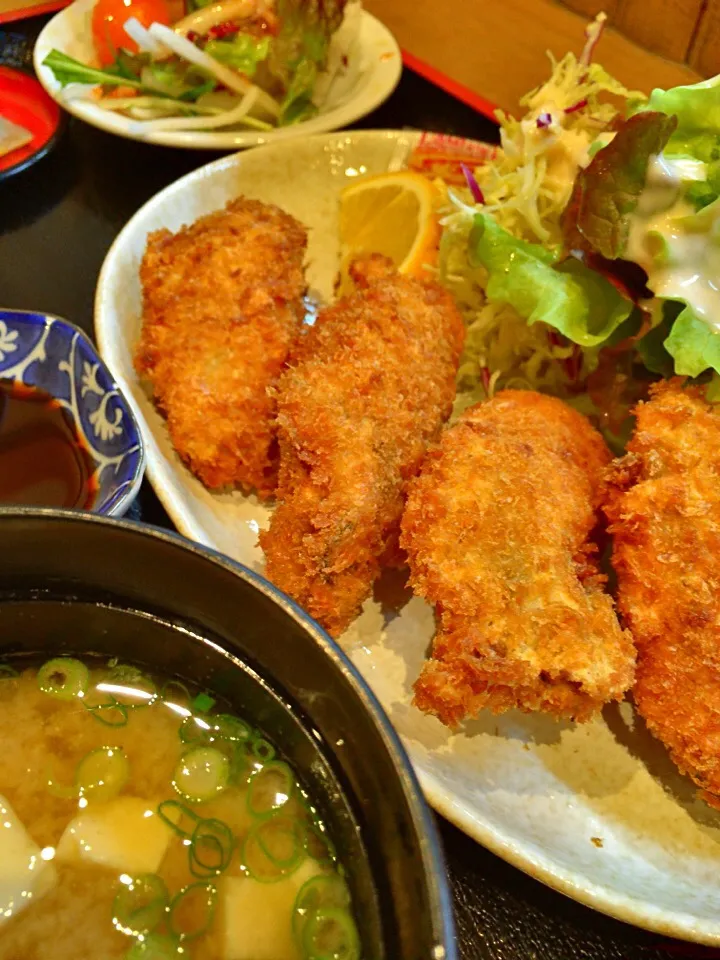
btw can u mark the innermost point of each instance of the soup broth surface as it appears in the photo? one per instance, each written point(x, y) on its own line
point(138, 821)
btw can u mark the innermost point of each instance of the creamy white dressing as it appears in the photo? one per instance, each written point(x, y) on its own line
point(666, 239)
point(564, 150)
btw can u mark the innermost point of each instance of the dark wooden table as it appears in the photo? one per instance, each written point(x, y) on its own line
point(57, 221)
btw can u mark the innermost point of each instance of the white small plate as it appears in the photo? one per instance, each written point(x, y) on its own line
point(372, 75)
point(597, 810)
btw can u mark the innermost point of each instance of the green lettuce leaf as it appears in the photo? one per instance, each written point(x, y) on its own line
point(297, 104)
point(242, 52)
point(697, 108)
point(651, 347)
point(67, 70)
point(155, 79)
point(578, 302)
point(693, 345)
point(686, 248)
point(606, 192)
point(674, 245)
point(702, 193)
point(704, 221)
point(306, 27)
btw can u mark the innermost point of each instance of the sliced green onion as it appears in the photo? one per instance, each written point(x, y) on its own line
point(129, 686)
point(111, 712)
point(156, 946)
point(140, 905)
point(263, 750)
point(64, 678)
point(127, 673)
point(7, 672)
point(202, 773)
point(274, 848)
point(203, 702)
point(102, 774)
point(163, 811)
point(241, 769)
point(194, 730)
point(210, 729)
point(318, 893)
point(227, 727)
point(167, 692)
point(192, 910)
point(282, 840)
point(60, 790)
point(211, 848)
point(330, 934)
point(270, 789)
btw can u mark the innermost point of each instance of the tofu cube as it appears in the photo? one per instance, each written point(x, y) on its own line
point(126, 834)
point(25, 870)
point(257, 917)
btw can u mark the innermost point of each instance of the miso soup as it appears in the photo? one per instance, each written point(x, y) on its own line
point(141, 820)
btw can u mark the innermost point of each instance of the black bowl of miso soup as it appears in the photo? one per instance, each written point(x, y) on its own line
point(190, 767)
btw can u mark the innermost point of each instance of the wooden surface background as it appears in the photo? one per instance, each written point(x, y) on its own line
point(497, 48)
point(684, 30)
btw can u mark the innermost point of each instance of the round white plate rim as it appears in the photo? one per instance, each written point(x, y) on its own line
point(599, 896)
point(377, 85)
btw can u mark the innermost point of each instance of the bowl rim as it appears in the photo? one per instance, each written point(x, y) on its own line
point(118, 503)
point(430, 849)
point(378, 85)
point(61, 122)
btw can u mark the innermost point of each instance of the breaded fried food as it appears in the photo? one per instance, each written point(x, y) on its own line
point(498, 535)
point(663, 504)
point(368, 387)
point(222, 303)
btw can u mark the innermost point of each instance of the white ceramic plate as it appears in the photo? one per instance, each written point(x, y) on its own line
point(596, 811)
point(372, 75)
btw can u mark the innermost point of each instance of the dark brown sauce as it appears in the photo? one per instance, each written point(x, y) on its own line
point(43, 463)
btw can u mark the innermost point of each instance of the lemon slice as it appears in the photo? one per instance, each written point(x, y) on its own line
point(392, 214)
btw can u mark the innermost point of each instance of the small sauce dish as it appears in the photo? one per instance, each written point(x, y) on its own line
point(68, 436)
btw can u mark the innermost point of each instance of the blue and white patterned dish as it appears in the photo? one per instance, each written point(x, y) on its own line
point(43, 351)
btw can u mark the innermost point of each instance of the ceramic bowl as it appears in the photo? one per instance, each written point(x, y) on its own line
point(39, 350)
point(372, 73)
point(595, 810)
point(77, 584)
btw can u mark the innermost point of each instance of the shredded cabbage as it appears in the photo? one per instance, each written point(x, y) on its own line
point(526, 188)
point(501, 349)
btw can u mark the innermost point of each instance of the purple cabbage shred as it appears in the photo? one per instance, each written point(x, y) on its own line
point(577, 106)
point(472, 183)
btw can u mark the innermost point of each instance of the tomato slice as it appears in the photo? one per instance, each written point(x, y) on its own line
point(108, 21)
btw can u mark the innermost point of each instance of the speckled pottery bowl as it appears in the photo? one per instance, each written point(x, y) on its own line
point(595, 810)
point(46, 352)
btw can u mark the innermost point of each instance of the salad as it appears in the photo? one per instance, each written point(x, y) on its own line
point(252, 64)
point(585, 254)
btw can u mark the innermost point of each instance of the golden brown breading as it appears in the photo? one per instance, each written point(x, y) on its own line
point(664, 509)
point(222, 305)
point(367, 388)
point(497, 531)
